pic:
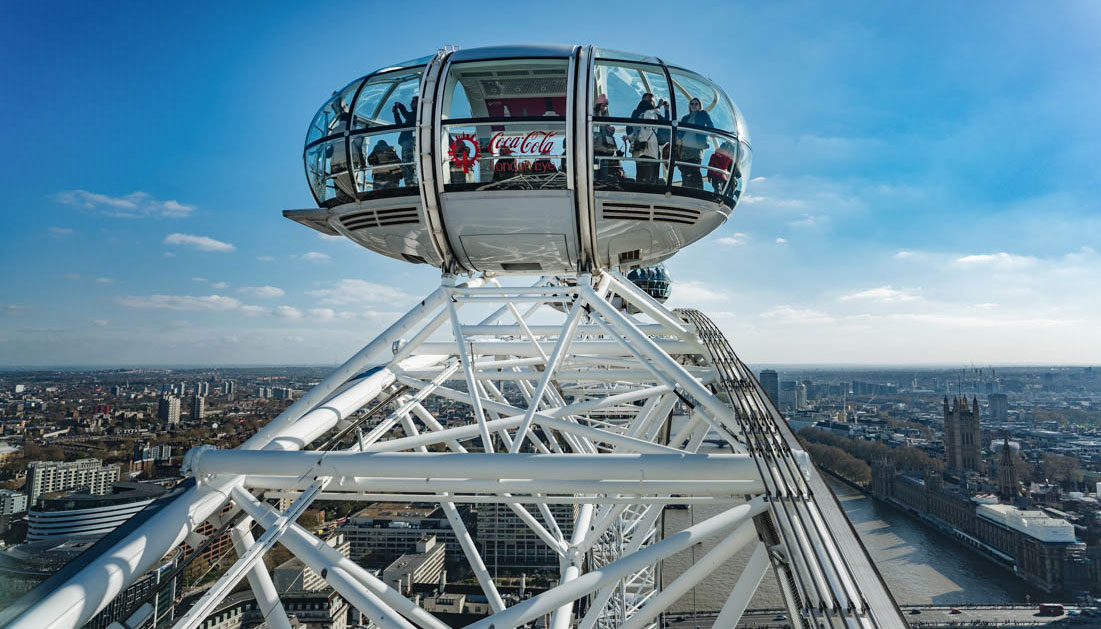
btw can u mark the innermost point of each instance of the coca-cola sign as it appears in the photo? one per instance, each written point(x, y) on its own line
point(533, 143)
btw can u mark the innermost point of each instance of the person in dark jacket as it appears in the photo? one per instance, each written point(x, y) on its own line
point(604, 142)
point(692, 144)
point(385, 172)
point(646, 142)
point(406, 140)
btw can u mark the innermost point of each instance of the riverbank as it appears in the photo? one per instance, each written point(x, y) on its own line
point(880, 524)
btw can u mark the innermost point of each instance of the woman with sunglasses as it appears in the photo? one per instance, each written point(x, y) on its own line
point(691, 144)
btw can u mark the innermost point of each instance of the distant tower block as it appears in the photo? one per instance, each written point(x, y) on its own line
point(962, 435)
point(770, 380)
point(1007, 472)
point(999, 407)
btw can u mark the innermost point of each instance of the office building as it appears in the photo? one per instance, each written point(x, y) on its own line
point(800, 397)
point(82, 513)
point(771, 384)
point(202, 388)
point(24, 566)
point(294, 576)
point(168, 409)
point(999, 406)
point(384, 531)
point(424, 565)
point(506, 542)
point(12, 502)
point(787, 395)
point(49, 476)
point(228, 388)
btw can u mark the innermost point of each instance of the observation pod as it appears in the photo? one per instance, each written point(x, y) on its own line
point(526, 159)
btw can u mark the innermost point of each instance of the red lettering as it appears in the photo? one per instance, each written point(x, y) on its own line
point(535, 142)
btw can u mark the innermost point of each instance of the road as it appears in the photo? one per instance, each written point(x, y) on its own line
point(928, 617)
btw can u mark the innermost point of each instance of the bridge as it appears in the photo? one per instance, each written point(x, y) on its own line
point(919, 616)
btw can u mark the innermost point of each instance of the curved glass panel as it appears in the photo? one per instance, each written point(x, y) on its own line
point(419, 61)
point(506, 89)
point(630, 157)
point(384, 161)
point(622, 87)
point(743, 130)
point(741, 171)
point(715, 109)
point(388, 99)
point(327, 172)
point(333, 116)
point(703, 163)
point(608, 53)
point(509, 156)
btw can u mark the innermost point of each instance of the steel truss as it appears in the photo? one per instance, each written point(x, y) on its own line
point(571, 401)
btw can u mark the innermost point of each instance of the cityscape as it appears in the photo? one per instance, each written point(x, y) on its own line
point(1000, 463)
point(750, 315)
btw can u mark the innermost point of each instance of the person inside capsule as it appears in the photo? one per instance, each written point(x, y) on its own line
point(691, 144)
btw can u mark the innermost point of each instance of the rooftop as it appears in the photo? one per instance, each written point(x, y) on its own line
point(122, 492)
point(1035, 524)
point(396, 510)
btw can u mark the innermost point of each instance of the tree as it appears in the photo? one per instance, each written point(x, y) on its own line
point(1064, 470)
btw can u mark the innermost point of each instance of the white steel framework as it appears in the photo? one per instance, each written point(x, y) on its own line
point(570, 400)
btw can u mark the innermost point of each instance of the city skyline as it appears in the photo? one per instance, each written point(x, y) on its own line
point(928, 204)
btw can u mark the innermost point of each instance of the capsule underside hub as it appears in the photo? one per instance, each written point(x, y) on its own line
point(526, 159)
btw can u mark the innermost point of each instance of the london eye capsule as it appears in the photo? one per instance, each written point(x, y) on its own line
point(526, 159)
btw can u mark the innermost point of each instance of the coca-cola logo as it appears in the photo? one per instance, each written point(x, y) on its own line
point(534, 143)
point(463, 151)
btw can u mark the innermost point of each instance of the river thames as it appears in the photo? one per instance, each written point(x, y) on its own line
point(920, 565)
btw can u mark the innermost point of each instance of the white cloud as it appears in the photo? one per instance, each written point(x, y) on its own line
point(781, 241)
point(133, 205)
point(253, 311)
point(322, 314)
point(262, 292)
point(266, 258)
point(965, 321)
point(809, 220)
point(353, 291)
point(883, 295)
point(198, 279)
point(293, 339)
point(100, 322)
point(1000, 260)
point(694, 292)
point(789, 314)
point(220, 285)
point(202, 243)
point(288, 312)
point(182, 302)
point(732, 241)
point(61, 232)
point(903, 254)
point(315, 255)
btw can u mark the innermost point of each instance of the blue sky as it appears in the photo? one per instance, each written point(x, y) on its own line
point(926, 177)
